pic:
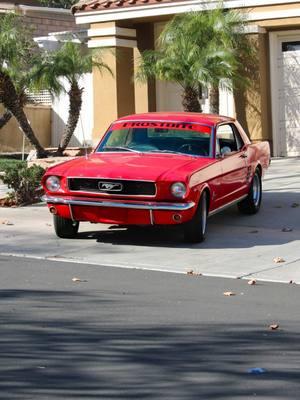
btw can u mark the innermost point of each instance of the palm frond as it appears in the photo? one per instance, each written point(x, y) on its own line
point(200, 49)
point(71, 61)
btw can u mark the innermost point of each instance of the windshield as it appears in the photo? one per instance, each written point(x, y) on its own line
point(158, 137)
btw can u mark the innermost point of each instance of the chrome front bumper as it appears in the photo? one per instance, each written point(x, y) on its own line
point(141, 205)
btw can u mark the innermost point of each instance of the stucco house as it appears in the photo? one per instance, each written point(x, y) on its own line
point(271, 111)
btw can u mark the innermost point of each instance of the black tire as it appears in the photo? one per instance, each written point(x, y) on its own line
point(251, 204)
point(65, 228)
point(195, 230)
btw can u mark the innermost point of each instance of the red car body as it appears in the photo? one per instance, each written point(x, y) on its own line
point(89, 186)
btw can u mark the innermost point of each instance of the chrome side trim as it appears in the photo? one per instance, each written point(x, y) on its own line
point(217, 210)
point(163, 206)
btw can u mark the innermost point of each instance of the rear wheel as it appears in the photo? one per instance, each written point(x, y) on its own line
point(195, 230)
point(251, 204)
point(65, 228)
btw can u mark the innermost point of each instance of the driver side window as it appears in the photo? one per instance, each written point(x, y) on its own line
point(228, 140)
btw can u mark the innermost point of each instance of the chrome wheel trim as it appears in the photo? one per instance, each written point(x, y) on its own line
point(256, 190)
point(204, 213)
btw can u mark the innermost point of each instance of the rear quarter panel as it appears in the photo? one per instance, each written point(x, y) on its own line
point(259, 154)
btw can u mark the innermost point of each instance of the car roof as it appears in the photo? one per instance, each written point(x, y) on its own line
point(207, 119)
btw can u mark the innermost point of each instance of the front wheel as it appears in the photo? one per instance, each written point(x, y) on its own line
point(251, 204)
point(65, 228)
point(194, 230)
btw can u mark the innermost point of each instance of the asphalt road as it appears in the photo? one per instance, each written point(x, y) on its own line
point(133, 334)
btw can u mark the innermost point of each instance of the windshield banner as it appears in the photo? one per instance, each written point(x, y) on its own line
point(162, 125)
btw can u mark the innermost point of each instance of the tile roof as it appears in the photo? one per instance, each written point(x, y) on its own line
point(91, 5)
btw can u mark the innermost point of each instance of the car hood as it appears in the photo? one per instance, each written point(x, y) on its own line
point(135, 166)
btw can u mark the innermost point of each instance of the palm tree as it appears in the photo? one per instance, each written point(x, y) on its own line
point(229, 30)
point(17, 54)
point(195, 50)
point(70, 62)
point(5, 118)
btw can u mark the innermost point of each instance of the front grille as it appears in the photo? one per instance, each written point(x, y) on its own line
point(112, 186)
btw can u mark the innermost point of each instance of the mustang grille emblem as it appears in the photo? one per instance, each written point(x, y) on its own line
point(110, 187)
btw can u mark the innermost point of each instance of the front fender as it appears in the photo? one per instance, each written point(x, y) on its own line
point(197, 191)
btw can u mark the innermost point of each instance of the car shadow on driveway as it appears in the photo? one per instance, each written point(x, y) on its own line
point(278, 222)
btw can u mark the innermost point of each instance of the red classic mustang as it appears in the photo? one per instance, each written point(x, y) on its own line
point(159, 169)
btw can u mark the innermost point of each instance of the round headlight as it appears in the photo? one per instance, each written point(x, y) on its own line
point(178, 190)
point(53, 183)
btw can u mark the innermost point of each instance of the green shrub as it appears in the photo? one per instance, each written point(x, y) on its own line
point(6, 162)
point(24, 182)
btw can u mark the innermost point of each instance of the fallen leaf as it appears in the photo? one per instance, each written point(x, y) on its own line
point(6, 222)
point(277, 207)
point(252, 282)
point(278, 260)
point(295, 205)
point(273, 327)
point(291, 282)
point(286, 230)
point(192, 272)
point(78, 280)
point(229, 294)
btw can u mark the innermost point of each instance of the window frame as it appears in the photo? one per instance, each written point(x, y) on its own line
point(239, 142)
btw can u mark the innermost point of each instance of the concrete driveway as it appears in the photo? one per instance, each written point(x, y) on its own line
point(237, 246)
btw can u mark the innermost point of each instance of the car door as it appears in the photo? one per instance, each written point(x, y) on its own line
point(232, 154)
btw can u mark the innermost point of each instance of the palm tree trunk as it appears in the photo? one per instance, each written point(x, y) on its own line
point(6, 116)
point(190, 100)
point(11, 101)
point(214, 102)
point(75, 97)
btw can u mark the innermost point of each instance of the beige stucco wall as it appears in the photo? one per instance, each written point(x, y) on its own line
point(113, 93)
point(252, 104)
point(11, 138)
point(119, 94)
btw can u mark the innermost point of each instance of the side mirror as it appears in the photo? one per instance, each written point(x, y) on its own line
point(225, 151)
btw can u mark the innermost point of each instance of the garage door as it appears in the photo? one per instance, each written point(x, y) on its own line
point(289, 97)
